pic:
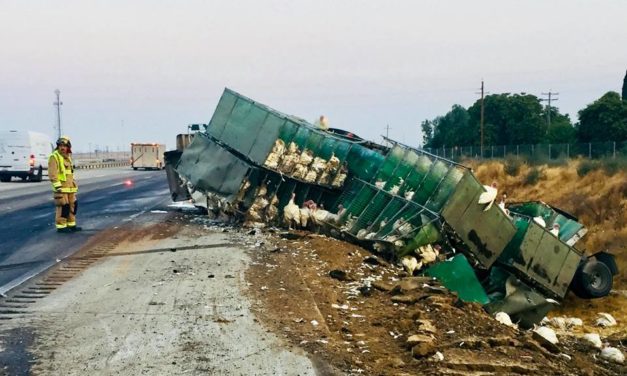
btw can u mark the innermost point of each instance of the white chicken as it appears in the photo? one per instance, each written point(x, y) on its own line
point(613, 354)
point(409, 195)
point(539, 220)
point(275, 155)
point(555, 230)
point(319, 164)
point(394, 190)
point(594, 339)
point(379, 184)
point(339, 179)
point(306, 157)
point(605, 320)
point(487, 198)
point(289, 159)
point(428, 254)
point(361, 234)
point(300, 171)
point(410, 264)
point(291, 212)
point(272, 210)
point(405, 229)
point(311, 175)
point(502, 202)
point(255, 212)
point(350, 222)
point(547, 333)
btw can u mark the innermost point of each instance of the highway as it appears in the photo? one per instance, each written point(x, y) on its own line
point(29, 243)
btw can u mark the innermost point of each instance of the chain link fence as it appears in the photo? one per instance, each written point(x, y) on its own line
point(591, 150)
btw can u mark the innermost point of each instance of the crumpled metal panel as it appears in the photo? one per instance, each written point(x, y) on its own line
point(210, 168)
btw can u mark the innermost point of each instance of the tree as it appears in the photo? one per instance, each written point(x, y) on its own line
point(561, 130)
point(509, 119)
point(603, 120)
point(451, 129)
point(427, 132)
point(625, 88)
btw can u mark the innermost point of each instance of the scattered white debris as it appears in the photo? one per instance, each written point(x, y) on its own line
point(563, 322)
point(605, 320)
point(343, 306)
point(357, 316)
point(594, 339)
point(613, 354)
point(264, 288)
point(566, 356)
point(547, 333)
point(159, 212)
point(314, 322)
point(450, 332)
point(323, 341)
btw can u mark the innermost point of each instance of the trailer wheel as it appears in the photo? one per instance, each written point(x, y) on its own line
point(593, 280)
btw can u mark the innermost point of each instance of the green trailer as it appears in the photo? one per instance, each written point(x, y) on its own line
point(396, 198)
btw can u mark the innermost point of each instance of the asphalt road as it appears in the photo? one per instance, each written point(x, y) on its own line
point(29, 243)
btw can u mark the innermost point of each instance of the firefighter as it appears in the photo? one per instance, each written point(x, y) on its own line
point(61, 174)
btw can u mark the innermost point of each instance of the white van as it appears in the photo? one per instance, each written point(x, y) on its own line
point(23, 154)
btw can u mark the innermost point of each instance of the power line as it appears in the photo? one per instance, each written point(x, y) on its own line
point(548, 107)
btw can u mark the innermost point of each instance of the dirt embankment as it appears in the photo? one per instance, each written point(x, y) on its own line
point(370, 320)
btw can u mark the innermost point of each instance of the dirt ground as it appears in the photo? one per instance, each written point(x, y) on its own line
point(359, 327)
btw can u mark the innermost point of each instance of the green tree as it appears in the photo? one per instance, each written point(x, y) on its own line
point(509, 119)
point(427, 132)
point(561, 130)
point(625, 88)
point(451, 129)
point(603, 120)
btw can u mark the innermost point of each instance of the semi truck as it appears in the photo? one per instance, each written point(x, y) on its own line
point(24, 154)
point(253, 160)
point(148, 156)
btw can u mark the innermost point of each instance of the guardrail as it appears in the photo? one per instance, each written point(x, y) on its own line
point(101, 165)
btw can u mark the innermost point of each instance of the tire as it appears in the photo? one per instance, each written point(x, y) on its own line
point(5, 178)
point(135, 168)
point(37, 177)
point(592, 280)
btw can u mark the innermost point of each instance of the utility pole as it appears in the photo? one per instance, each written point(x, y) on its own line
point(387, 133)
point(58, 104)
point(483, 93)
point(548, 108)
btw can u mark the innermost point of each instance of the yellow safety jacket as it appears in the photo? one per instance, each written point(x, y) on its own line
point(61, 173)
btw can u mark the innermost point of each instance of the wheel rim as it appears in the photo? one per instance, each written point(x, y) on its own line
point(596, 281)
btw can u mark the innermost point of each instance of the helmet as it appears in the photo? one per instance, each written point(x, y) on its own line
point(64, 140)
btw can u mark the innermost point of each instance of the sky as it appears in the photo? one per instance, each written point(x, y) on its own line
point(141, 71)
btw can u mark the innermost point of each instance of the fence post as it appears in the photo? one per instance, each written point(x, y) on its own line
point(532, 150)
point(614, 150)
point(517, 150)
point(504, 150)
point(567, 151)
point(492, 149)
point(589, 150)
point(549, 151)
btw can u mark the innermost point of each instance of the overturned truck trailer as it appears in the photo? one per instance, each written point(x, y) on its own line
point(274, 168)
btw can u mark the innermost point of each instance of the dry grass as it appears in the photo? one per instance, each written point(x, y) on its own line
point(598, 199)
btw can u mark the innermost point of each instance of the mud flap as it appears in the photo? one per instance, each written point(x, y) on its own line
point(522, 303)
point(457, 275)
